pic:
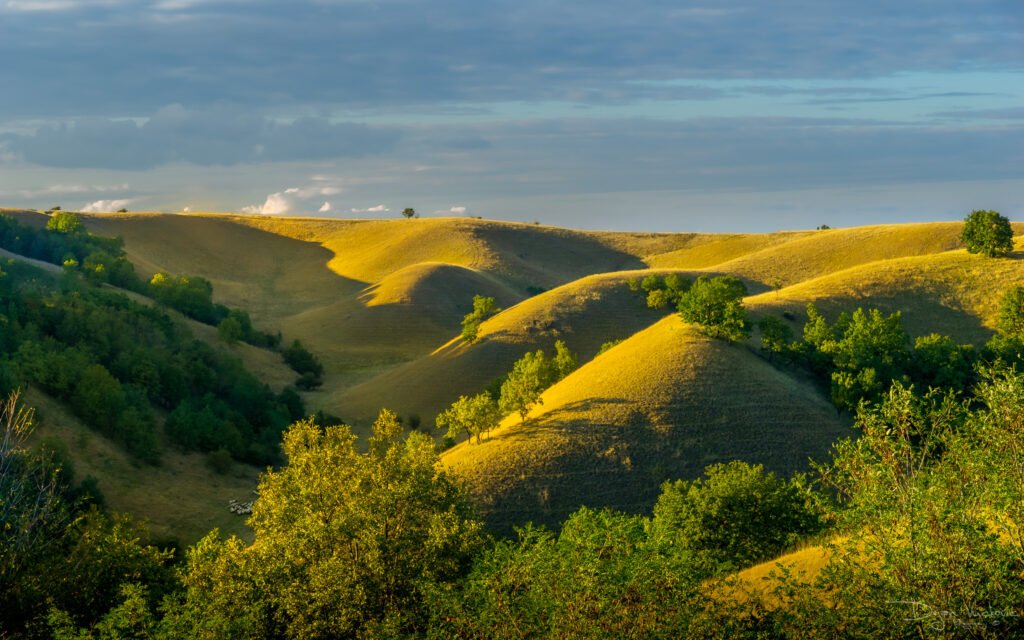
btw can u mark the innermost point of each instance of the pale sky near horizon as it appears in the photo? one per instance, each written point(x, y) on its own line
point(657, 115)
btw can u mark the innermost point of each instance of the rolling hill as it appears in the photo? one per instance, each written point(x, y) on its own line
point(380, 302)
point(663, 404)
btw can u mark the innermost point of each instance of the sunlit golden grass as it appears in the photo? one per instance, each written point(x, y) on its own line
point(182, 498)
point(662, 405)
point(954, 293)
point(762, 580)
point(708, 250)
point(812, 255)
point(584, 313)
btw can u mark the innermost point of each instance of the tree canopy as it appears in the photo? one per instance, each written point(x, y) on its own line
point(717, 305)
point(346, 543)
point(988, 233)
point(483, 307)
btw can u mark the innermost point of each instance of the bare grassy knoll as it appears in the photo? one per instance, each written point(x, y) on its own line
point(663, 404)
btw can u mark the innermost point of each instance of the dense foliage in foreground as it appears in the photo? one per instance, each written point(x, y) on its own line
point(920, 518)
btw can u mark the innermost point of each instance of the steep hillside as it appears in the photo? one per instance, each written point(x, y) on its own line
point(181, 498)
point(402, 317)
point(953, 293)
point(663, 404)
point(523, 255)
point(585, 314)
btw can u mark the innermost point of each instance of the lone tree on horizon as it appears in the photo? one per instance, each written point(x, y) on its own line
point(409, 212)
point(988, 233)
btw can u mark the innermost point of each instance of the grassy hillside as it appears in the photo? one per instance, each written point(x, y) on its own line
point(585, 314)
point(808, 256)
point(182, 498)
point(663, 404)
point(380, 302)
point(953, 293)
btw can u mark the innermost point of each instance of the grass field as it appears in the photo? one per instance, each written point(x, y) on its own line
point(380, 302)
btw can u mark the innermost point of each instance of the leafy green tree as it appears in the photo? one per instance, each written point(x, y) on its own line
point(734, 517)
point(521, 390)
point(483, 307)
point(65, 222)
point(131, 618)
point(1011, 313)
point(32, 513)
point(775, 335)
point(663, 292)
point(599, 577)
point(346, 544)
point(565, 361)
point(472, 416)
point(928, 509)
point(657, 299)
point(987, 233)
point(717, 305)
point(301, 360)
point(99, 398)
point(230, 330)
point(409, 213)
point(938, 362)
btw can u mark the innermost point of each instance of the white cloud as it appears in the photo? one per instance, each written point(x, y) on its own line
point(187, 210)
point(295, 199)
point(454, 211)
point(106, 206)
point(276, 204)
point(377, 209)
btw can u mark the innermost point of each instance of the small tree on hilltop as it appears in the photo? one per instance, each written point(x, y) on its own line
point(987, 233)
point(409, 212)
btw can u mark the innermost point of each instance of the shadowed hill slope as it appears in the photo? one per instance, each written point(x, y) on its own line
point(585, 314)
point(181, 498)
point(662, 405)
point(522, 255)
point(402, 317)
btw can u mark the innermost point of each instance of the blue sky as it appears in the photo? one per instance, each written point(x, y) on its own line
point(646, 115)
